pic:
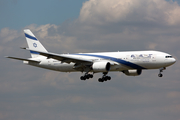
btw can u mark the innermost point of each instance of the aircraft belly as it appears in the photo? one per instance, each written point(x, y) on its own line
point(62, 67)
point(150, 64)
point(118, 67)
point(65, 67)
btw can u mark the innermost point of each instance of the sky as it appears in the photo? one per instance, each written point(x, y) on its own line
point(70, 26)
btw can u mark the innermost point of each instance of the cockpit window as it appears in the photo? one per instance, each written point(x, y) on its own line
point(168, 56)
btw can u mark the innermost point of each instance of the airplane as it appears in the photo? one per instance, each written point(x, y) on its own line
point(131, 63)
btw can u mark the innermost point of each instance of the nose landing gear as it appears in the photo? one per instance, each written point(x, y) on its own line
point(160, 72)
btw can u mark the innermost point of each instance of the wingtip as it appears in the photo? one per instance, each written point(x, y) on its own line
point(6, 56)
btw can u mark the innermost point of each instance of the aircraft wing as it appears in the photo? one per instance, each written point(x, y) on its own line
point(23, 59)
point(61, 57)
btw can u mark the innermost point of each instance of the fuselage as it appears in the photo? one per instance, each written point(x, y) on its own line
point(120, 61)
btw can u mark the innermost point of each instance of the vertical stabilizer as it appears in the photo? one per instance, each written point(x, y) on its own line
point(33, 43)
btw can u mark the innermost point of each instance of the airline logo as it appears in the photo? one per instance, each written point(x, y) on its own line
point(141, 56)
point(35, 45)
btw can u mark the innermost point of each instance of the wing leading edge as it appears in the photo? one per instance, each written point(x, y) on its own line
point(63, 58)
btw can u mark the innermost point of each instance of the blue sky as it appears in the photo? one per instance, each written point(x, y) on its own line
point(73, 26)
point(19, 13)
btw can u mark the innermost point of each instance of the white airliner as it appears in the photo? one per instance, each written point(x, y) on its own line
point(130, 63)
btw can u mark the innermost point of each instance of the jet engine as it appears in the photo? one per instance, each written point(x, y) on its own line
point(101, 66)
point(132, 72)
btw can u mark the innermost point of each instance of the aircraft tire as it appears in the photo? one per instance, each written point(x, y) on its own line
point(108, 77)
point(82, 78)
point(91, 76)
point(105, 78)
point(100, 80)
point(160, 75)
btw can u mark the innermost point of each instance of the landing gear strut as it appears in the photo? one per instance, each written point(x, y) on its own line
point(104, 78)
point(160, 71)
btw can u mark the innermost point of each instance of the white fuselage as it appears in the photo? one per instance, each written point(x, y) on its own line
point(131, 63)
point(120, 61)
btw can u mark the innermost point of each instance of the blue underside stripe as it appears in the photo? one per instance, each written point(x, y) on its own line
point(132, 65)
point(30, 37)
point(34, 52)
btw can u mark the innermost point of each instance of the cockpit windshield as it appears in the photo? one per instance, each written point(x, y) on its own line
point(168, 56)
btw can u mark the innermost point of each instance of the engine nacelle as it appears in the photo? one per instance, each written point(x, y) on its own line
point(132, 72)
point(101, 66)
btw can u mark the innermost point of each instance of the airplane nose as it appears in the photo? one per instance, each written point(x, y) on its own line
point(173, 60)
point(170, 61)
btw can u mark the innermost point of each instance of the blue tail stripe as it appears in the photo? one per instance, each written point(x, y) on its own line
point(30, 37)
point(33, 52)
point(132, 65)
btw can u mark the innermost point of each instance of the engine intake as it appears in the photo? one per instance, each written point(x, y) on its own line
point(101, 66)
point(132, 72)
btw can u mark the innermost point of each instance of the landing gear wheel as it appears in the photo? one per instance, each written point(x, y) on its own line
point(86, 76)
point(105, 78)
point(108, 78)
point(90, 75)
point(160, 75)
point(82, 78)
point(100, 80)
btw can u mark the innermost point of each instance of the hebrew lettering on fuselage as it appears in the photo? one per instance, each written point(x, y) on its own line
point(141, 56)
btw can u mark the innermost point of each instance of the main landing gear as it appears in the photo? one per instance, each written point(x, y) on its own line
point(86, 76)
point(160, 71)
point(104, 78)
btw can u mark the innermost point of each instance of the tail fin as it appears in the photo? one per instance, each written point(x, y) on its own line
point(33, 43)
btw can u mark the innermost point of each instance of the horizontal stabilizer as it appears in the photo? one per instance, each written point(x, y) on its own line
point(23, 48)
point(23, 59)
